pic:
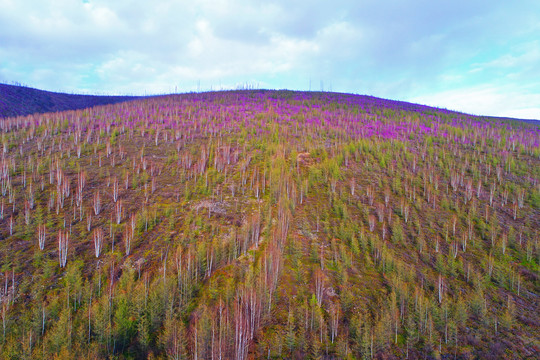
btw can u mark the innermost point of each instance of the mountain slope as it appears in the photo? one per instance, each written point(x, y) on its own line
point(269, 224)
point(20, 100)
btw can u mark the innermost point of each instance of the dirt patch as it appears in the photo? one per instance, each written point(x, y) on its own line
point(304, 158)
point(217, 207)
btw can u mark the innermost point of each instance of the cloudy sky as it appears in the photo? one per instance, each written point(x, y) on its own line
point(477, 56)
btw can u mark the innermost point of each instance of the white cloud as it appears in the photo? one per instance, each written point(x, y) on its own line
point(523, 56)
point(390, 49)
point(526, 113)
point(485, 101)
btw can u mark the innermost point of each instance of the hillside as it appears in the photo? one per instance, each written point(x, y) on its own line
point(269, 224)
point(21, 100)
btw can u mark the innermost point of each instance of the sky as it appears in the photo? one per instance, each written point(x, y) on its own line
point(477, 56)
